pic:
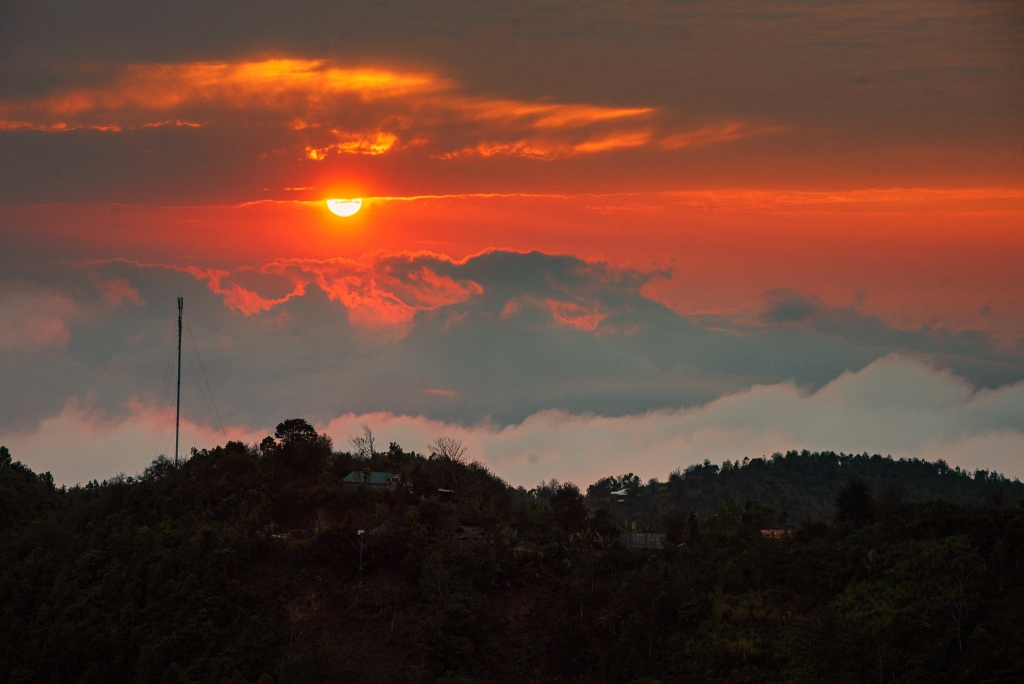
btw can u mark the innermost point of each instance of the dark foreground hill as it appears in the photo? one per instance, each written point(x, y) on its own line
point(246, 564)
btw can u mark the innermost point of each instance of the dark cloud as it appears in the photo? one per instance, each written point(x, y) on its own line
point(499, 336)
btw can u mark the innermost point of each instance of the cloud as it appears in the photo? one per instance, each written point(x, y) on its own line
point(378, 290)
point(135, 90)
point(81, 444)
point(30, 320)
point(504, 335)
point(725, 131)
point(897, 405)
point(547, 148)
point(334, 109)
point(383, 289)
point(323, 108)
point(458, 83)
point(239, 298)
point(117, 291)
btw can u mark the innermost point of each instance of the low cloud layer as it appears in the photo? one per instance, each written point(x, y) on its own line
point(498, 336)
point(897, 405)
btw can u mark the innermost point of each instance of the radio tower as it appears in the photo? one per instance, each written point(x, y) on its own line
point(177, 411)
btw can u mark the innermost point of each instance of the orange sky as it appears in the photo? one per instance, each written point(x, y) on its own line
point(947, 258)
point(867, 156)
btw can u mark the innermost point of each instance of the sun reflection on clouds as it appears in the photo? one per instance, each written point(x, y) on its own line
point(322, 108)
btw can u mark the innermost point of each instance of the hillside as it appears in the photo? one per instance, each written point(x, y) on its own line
point(247, 564)
point(803, 486)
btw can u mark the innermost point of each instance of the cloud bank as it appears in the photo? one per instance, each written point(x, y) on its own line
point(897, 405)
point(499, 337)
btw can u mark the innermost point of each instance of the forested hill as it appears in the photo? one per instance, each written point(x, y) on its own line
point(261, 564)
point(802, 485)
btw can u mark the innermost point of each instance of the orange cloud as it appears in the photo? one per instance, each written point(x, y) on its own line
point(717, 133)
point(541, 148)
point(385, 291)
point(317, 109)
point(239, 298)
point(236, 297)
point(109, 128)
point(542, 114)
point(269, 82)
point(355, 143)
point(577, 316)
point(379, 291)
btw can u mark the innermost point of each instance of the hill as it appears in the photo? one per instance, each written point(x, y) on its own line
point(801, 485)
point(262, 564)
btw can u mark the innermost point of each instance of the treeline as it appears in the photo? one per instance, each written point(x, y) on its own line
point(259, 564)
point(804, 485)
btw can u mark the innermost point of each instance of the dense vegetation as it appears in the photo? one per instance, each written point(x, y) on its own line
point(246, 564)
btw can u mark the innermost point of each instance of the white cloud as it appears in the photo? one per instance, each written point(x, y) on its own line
point(80, 445)
point(897, 405)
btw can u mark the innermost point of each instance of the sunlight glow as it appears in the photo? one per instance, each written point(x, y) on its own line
point(344, 207)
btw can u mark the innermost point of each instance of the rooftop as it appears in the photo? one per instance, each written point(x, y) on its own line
point(376, 478)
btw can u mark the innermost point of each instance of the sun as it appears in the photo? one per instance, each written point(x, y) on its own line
point(344, 207)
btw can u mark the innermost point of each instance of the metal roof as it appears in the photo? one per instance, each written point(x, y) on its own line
point(376, 478)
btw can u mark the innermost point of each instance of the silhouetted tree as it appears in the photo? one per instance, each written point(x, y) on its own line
point(302, 450)
point(294, 431)
point(365, 445)
point(567, 506)
point(449, 448)
point(855, 502)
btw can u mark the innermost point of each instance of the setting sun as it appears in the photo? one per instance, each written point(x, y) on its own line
point(344, 207)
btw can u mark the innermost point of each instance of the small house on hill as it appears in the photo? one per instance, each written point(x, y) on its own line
point(643, 541)
point(777, 534)
point(375, 479)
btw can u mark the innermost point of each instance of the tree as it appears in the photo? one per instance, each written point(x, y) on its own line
point(302, 449)
point(364, 446)
point(855, 503)
point(451, 470)
point(294, 431)
point(448, 448)
point(567, 507)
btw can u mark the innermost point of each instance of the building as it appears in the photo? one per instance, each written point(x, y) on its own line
point(643, 541)
point(777, 534)
point(375, 479)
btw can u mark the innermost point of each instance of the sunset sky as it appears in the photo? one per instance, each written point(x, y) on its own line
point(595, 237)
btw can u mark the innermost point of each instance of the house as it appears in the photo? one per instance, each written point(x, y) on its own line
point(468, 532)
point(374, 479)
point(643, 541)
point(777, 534)
point(620, 495)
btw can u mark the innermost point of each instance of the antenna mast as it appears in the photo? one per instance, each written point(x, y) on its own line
point(177, 412)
